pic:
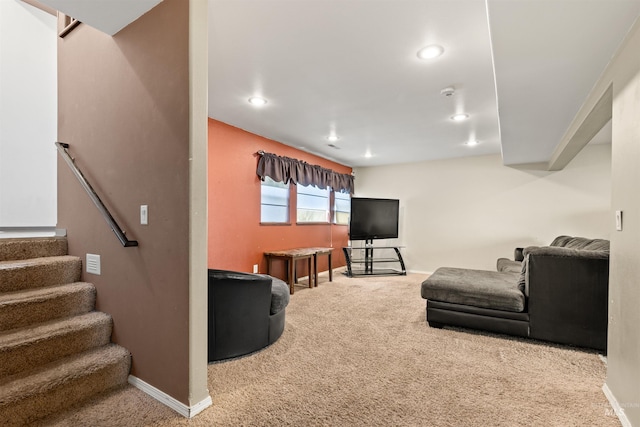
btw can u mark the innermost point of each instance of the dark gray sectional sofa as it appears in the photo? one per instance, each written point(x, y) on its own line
point(555, 293)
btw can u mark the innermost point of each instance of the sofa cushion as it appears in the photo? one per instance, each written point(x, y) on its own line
point(479, 288)
point(523, 278)
point(506, 264)
point(279, 295)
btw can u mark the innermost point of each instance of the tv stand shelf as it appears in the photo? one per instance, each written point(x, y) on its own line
point(369, 265)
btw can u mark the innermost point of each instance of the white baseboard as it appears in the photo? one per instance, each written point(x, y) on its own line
point(420, 272)
point(619, 411)
point(27, 232)
point(164, 398)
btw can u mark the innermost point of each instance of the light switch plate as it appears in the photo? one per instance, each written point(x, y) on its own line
point(619, 220)
point(144, 214)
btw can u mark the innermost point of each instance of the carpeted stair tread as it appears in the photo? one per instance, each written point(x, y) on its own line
point(28, 307)
point(39, 272)
point(22, 248)
point(27, 397)
point(23, 349)
point(55, 350)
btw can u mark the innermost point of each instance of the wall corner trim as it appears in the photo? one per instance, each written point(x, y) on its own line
point(617, 409)
point(165, 399)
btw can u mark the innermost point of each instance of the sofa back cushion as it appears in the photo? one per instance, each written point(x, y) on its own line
point(581, 243)
point(561, 241)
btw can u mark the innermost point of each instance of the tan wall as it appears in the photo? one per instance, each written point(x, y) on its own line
point(468, 212)
point(124, 107)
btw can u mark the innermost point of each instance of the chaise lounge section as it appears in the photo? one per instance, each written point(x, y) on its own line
point(559, 295)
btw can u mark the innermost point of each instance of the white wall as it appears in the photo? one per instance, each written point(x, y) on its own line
point(623, 351)
point(28, 116)
point(468, 212)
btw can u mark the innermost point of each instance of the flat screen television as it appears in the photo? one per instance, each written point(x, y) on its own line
point(373, 218)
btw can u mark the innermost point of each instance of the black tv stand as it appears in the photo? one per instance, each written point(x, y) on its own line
point(369, 265)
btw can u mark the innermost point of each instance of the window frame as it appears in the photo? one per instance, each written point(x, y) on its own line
point(327, 211)
point(265, 183)
point(335, 210)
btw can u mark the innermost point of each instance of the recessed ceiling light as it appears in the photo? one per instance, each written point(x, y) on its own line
point(472, 142)
point(257, 101)
point(333, 138)
point(430, 52)
point(459, 117)
point(368, 154)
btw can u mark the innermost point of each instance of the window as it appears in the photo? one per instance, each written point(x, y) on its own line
point(274, 201)
point(341, 208)
point(313, 204)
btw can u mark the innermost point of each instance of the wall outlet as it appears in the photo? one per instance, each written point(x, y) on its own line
point(93, 264)
point(255, 268)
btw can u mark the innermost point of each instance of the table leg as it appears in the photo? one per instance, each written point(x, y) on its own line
point(315, 268)
point(310, 271)
point(291, 264)
point(330, 268)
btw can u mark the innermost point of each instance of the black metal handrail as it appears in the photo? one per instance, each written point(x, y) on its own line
point(120, 234)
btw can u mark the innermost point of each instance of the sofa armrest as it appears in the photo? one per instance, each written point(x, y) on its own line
point(518, 255)
point(568, 295)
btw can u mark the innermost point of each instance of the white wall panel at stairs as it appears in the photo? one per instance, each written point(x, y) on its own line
point(28, 116)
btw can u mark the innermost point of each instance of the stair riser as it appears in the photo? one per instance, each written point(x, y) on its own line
point(31, 354)
point(18, 249)
point(59, 272)
point(25, 313)
point(58, 396)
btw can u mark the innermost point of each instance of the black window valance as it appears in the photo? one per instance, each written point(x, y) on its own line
point(286, 169)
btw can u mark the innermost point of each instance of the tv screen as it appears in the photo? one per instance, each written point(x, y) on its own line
point(373, 218)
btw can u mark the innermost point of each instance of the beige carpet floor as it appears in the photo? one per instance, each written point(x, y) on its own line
point(358, 352)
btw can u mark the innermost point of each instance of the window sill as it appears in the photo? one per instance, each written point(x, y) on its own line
point(313, 223)
point(275, 223)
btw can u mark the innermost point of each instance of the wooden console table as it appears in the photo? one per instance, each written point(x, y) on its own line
point(321, 251)
point(291, 256)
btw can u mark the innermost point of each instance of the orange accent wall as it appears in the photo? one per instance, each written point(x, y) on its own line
point(237, 240)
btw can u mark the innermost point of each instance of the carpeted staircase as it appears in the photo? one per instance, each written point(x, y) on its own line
point(55, 350)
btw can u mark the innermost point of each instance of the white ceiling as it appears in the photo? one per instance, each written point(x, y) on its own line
point(548, 55)
point(521, 69)
point(108, 16)
point(350, 66)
